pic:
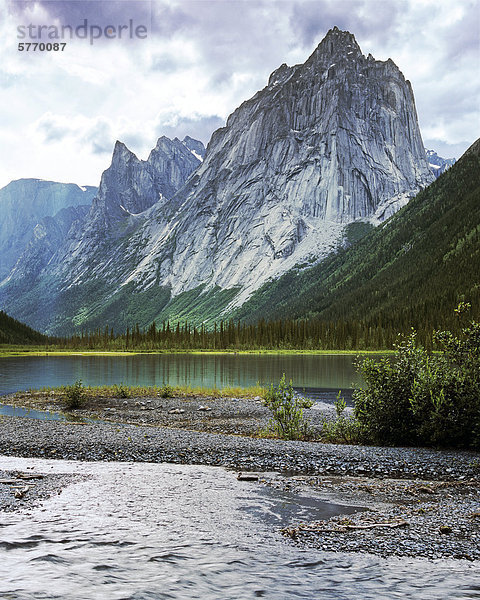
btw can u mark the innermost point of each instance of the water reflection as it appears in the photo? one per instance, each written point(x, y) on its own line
point(330, 372)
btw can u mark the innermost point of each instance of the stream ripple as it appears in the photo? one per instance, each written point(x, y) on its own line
point(161, 531)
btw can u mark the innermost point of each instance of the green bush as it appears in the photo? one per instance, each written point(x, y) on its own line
point(166, 391)
point(343, 429)
point(424, 399)
point(75, 395)
point(121, 391)
point(287, 410)
point(382, 406)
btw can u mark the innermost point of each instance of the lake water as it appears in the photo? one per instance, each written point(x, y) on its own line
point(321, 376)
point(157, 531)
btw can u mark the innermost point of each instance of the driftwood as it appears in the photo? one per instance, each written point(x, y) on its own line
point(293, 531)
point(247, 477)
point(21, 477)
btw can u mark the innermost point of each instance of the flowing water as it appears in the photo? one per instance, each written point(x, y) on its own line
point(156, 531)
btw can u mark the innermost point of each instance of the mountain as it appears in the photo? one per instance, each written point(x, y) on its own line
point(67, 250)
point(437, 164)
point(23, 203)
point(411, 271)
point(307, 165)
point(14, 332)
point(326, 143)
point(47, 237)
point(130, 186)
point(195, 146)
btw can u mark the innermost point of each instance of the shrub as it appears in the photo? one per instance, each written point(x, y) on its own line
point(121, 391)
point(382, 406)
point(166, 391)
point(287, 410)
point(75, 395)
point(424, 399)
point(343, 429)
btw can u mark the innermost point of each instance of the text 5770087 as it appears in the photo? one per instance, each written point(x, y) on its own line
point(41, 46)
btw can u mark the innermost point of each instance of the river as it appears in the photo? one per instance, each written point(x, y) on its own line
point(157, 531)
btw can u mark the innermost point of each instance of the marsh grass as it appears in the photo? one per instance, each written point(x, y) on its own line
point(163, 391)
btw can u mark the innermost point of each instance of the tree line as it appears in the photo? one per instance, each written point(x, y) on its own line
point(281, 334)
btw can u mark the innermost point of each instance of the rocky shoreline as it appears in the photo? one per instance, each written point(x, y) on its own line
point(435, 493)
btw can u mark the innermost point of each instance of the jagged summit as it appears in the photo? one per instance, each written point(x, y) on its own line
point(337, 43)
point(337, 46)
point(122, 154)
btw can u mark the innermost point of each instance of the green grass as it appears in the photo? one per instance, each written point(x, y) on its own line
point(7, 351)
point(139, 391)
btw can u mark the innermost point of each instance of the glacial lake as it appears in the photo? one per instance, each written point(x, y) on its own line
point(319, 376)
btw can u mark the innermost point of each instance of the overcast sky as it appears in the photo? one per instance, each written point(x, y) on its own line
point(61, 112)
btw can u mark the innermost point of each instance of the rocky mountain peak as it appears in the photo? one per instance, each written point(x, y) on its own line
point(324, 144)
point(437, 164)
point(131, 186)
point(121, 154)
point(195, 146)
point(336, 45)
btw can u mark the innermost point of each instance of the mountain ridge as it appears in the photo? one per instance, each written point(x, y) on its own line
point(23, 204)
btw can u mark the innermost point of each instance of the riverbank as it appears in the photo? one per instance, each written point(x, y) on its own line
point(434, 496)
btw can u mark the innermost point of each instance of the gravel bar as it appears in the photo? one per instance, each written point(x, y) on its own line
point(108, 441)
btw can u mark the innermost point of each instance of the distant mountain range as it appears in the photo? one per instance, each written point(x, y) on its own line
point(437, 164)
point(26, 203)
point(323, 155)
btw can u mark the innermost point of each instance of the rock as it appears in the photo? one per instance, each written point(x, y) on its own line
point(19, 493)
point(445, 529)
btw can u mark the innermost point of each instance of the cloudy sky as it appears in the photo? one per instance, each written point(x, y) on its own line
point(194, 61)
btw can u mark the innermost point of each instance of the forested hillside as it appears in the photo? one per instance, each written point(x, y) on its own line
point(410, 271)
point(14, 332)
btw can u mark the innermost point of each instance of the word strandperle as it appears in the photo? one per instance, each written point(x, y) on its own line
point(83, 32)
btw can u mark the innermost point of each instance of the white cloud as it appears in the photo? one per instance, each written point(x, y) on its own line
point(62, 112)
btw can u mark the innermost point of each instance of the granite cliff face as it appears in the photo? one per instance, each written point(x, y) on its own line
point(326, 143)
